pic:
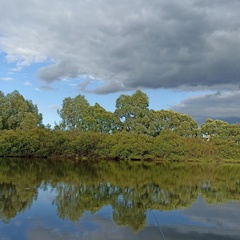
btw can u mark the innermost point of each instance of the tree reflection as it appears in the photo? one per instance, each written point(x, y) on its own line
point(14, 199)
point(74, 199)
point(131, 188)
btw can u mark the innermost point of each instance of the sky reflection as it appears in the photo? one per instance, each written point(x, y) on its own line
point(199, 221)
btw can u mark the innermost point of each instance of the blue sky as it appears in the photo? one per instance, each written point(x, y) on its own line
point(183, 54)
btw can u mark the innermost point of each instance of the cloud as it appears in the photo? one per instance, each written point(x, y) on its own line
point(219, 105)
point(27, 84)
point(54, 107)
point(45, 88)
point(6, 79)
point(223, 219)
point(172, 44)
point(212, 223)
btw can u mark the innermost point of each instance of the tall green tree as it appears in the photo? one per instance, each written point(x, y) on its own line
point(77, 114)
point(233, 132)
point(214, 128)
point(101, 121)
point(15, 109)
point(73, 113)
point(132, 110)
point(168, 120)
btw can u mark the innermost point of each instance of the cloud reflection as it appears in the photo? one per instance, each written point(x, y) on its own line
point(215, 222)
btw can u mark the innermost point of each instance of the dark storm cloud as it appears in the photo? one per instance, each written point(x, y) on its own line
point(58, 71)
point(220, 105)
point(127, 44)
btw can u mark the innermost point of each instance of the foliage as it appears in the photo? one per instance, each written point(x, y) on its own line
point(126, 145)
point(16, 112)
point(132, 132)
point(73, 112)
point(131, 111)
point(214, 128)
point(167, 120)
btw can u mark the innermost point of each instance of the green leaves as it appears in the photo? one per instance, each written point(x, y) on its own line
point(132, 115)
point(77, 114)
point(16, 111)
point(126, 145)
point(73, 112)
point(131, 109)
point(166, 120)
point(133, 131)
point(214, 127)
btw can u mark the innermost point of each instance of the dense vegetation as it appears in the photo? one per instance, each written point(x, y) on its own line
point(132, 131)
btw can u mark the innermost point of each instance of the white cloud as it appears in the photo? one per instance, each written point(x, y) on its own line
point(54, 107)
point(6, 79)
point(27, 84)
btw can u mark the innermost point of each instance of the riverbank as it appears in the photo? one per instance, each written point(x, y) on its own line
point(168, 146)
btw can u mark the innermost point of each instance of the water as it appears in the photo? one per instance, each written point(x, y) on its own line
point(42, 199)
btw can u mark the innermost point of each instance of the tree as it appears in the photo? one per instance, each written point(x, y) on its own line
point(73, 113)
point(101, 121)
point(14, 110)
point(214, 128)
point(29, 122)
point(233, 132)
point(131, 111)
point(168, 120)
point(77, 114)
point(186, 126)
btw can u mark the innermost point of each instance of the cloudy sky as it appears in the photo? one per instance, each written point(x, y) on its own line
point(184, 54)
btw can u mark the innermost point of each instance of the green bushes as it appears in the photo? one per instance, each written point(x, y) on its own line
point(42, 142)
point(126, 145)
point(19, 143)
point(85, 144)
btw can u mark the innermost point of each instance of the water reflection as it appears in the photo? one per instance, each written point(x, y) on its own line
point(107, 200)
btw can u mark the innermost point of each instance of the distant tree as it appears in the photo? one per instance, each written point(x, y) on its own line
point(131, 111)
point(14, 110)
point(73, 113)
point(167, 120)
point(233, 132)
point(77, 114)
point(214, 128)
point(30, 121)
point(101, 121)
point(1, 94)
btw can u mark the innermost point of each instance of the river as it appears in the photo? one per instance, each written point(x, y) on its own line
point(60, 199)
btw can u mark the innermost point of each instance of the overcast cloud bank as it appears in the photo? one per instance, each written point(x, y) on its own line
point(182, 45)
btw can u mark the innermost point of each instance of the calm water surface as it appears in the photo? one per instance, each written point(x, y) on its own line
point(42, 199)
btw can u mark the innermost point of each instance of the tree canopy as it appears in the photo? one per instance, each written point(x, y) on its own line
point(17, 112)
point(132, 114)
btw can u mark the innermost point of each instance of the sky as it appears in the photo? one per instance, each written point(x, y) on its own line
point(185, 55)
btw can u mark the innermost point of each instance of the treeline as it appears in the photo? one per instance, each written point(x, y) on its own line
point(132, 131)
